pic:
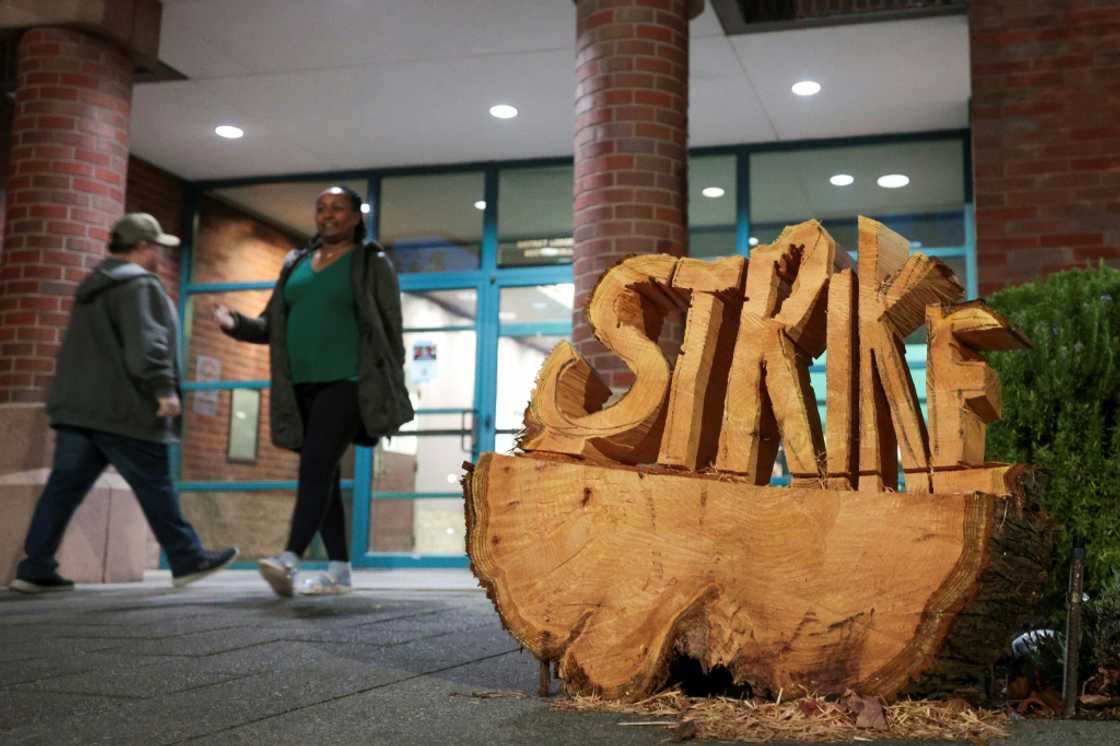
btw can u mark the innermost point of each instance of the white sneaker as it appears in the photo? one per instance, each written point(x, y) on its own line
point(335, 581)
point(279, 572)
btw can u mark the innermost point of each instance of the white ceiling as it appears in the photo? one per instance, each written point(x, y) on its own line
point(345, 84)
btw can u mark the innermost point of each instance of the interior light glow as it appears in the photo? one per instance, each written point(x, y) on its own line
point(503, 111)
point(893, 181)
point(229, 131)
point(806, 88)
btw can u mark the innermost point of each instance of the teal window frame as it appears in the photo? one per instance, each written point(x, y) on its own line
point(487, 281)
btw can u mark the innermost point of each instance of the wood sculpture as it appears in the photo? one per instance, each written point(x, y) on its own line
point(628, 535)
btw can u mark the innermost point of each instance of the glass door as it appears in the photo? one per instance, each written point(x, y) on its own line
point(533, 319)
point(415, 513)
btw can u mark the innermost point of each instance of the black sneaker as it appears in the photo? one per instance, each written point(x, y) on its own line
point(52, 583)
point(211, 561)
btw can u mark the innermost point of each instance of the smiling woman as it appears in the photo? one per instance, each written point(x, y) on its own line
point(333, 325)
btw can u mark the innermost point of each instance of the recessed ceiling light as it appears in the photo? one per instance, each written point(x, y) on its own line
point(365, 208)
point(480, 205)
point(712, 192)
point(503, 111)
point(841, 180)
point(806, 88)
point(893, 181)
point(228, 131)
point(752, 241)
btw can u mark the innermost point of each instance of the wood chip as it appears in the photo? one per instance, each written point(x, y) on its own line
point(759, 721)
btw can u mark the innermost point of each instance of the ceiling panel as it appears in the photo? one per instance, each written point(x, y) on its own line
point(346, 84)
point(876, 77)
point(723, 105)
point(173, 127)
point(270, 36)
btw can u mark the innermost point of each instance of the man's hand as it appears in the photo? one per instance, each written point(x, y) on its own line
point(169, 406)
point(224, 317)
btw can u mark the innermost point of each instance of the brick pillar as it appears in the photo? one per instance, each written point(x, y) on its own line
point(67, 167)
point(631, 157)
point(1045, 136)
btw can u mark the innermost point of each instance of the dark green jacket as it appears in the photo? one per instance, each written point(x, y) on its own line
point(119, 354)
point(382, 395)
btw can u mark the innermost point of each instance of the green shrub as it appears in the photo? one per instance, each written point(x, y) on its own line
point(1061, 402)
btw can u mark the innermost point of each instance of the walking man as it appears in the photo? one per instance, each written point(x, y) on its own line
point(115, 401)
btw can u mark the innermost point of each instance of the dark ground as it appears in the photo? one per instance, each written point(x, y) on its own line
point(226, 662)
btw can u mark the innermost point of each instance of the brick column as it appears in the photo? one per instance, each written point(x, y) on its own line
point(631, 157)
point(67, 167)
point(1045, 136)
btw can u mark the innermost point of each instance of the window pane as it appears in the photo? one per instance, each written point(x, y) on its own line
point(537, 304)
point(214, 356)
point(535, 216)
point(708, 244)
point(439, 369)
point(245, 232)
point(788, 187)
point(435, 308)
point(205, 446)
point(432, 223)
point(418, 526)
point(519, 360)
point(438, 462)
point(505, 443)
point(711, 192)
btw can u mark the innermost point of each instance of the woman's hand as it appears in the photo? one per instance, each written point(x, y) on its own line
point(224, 317)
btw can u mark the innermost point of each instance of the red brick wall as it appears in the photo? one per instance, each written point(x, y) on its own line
point(630, 145)
point(152, 190)
point(65, 187)
point(231, 247)
point(1046, 136)
point(6, 113)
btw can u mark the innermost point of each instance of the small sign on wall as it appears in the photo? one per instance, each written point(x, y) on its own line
point(207, 369)
point(423, 368)
point(244, 419)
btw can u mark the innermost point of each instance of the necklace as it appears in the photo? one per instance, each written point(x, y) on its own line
point(325, 256)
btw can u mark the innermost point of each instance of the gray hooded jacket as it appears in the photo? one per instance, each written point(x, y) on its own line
point(119, 355)
point(382, 394)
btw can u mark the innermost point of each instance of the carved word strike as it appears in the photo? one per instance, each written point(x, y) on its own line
point(741, 385)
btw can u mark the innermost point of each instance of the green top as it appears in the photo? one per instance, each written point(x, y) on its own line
point(323, 335)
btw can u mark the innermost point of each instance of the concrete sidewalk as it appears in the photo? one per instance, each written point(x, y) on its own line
point(400, 661)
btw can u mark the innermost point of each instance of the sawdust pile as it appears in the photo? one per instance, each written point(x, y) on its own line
point(852, 718)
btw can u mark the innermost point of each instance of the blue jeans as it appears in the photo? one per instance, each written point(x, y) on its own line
point(79, 458)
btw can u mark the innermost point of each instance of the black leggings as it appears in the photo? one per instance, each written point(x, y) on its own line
point(331, 420)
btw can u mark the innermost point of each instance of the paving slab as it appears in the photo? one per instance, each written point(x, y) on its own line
point(43, 669)
point(143, 682)
point(20, 709)
point(405, 659)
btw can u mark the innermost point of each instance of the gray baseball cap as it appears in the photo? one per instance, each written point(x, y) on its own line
point(140, 226)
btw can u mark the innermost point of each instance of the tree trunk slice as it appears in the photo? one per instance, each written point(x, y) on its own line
point(614, 572)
